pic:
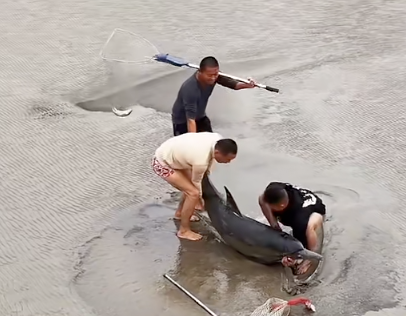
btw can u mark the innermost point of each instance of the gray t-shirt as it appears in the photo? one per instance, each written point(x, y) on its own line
point(192, 98)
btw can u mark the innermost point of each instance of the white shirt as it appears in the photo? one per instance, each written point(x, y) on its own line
point(193, 151)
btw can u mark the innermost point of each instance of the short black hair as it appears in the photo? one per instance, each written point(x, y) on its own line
point(208, 62)
point(274, 193)
point(226, 146)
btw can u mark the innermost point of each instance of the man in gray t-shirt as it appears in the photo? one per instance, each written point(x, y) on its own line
point(189, 109)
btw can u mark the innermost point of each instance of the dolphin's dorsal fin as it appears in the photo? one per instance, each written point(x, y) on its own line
point(230, 201)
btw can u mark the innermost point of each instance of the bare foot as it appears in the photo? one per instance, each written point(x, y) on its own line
point(194, 218)
point(190, 235)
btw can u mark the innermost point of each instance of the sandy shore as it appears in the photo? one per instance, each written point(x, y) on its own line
point(80, 229)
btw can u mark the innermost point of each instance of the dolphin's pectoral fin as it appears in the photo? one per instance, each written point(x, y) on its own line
point(231, 202)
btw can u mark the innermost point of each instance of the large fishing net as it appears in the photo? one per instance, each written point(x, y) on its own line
point(128, 58)
point(278, 307)
point(127, 47)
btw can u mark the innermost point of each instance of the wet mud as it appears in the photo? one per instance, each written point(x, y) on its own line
point(131, 272)
point(223, 279)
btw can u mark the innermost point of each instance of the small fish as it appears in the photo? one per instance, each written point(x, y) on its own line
point(121, 113)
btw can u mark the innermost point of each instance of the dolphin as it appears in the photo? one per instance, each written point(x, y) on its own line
point(254, 240)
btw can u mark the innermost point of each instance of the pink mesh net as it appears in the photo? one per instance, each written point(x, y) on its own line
point(278, 307)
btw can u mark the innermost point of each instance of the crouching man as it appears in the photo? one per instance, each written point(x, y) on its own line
point(300, 209)
point(182, 161)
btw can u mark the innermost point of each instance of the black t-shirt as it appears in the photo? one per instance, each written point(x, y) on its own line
point(192, 98)
point(300, 200)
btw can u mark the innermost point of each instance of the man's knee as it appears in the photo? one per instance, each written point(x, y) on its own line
point(183, 183)
point(315, 232)
point(190, 190)
point(192, 193)
point(315, 221)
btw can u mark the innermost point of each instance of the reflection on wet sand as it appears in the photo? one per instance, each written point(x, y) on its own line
point(223, 279)
point(129, 261)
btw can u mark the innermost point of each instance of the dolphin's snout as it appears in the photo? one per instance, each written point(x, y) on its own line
point(309, 255)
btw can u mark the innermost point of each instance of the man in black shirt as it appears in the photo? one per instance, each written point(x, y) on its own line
point(189, 109)
point(298, 208)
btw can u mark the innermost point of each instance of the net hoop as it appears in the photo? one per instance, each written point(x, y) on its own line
point(141, 42)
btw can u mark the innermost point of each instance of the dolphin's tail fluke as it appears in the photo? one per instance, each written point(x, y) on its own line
point(309, 255)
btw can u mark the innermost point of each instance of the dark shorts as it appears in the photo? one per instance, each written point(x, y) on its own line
point(301, 220)
point(202, 125)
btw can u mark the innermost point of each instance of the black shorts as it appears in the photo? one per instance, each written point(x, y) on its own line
point(202, 125)
point(301, 220)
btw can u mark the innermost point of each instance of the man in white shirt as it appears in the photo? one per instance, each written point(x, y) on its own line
point(182, 161)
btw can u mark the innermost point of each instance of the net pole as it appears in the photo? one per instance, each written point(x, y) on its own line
point(195, 299)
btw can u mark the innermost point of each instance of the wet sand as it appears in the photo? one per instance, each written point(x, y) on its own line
point(85, 226)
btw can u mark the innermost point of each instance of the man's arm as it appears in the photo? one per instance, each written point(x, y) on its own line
point(197, 176)
point(191, 126)
point(266, 210)
point(234, 84)
point(243, 85)
point(190, 102)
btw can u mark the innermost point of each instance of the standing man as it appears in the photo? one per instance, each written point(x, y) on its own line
point(189, 109)
point(182, 161)
point(298, 208)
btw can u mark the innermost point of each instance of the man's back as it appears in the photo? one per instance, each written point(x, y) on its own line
point(186, 150)
point(299, 199)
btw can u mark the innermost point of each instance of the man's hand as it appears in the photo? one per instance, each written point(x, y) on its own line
point(288, 262)
point(251, 83)
point(276, 226)
point(243, 85)
point(267, 211)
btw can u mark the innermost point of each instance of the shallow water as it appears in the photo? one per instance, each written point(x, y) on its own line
point(79, 228)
